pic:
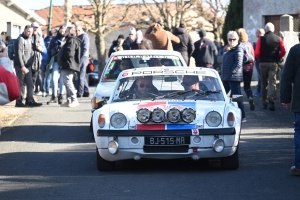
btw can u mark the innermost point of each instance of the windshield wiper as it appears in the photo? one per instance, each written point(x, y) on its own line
point(207, 92)
point(174, 94)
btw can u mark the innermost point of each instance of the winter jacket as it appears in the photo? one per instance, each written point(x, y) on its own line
point(186, 46)
point(290, 79)
point(71, 53)
point(23, 52)
point(205, 52)
point(269, 48)
point(114, 47)
point(248, 65)
point(159, 37)
point(85, 45)
point(143, 45)
point(9, 86)
point(37, 54)
point(55, 45)
point(232, 64)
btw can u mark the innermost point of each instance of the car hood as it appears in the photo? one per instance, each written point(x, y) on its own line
point(104, 89)
point(202, 108)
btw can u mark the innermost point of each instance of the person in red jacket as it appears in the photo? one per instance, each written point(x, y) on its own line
point(269, 50)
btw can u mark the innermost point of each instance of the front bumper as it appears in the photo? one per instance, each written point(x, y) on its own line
point(223, 131)
point(137, 154)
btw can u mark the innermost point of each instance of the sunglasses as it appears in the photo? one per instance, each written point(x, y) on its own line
point(142, 85)
point(231, 39)
point(186, 84)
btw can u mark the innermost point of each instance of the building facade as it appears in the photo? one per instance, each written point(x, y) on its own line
point(259, 12)
point(15, 16)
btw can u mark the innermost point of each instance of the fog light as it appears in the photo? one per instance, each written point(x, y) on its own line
point(113, 147)
point(197, 139)
point(135, 140)
point(218, 145)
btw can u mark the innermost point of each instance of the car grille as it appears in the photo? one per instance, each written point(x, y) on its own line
point(166, 149)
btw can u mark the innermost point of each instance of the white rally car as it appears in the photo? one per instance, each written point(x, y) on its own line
point(137, 59)
point(155, 113)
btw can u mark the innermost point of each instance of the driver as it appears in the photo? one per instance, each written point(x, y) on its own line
point(124, 64)
point(154, 62)
point(190, 82)
point(144, 87)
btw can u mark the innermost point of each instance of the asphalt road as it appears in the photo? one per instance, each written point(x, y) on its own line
point(49, 153)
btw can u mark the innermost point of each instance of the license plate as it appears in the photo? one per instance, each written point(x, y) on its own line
point(167, 141)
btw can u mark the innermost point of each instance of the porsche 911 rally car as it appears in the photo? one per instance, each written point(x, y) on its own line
point(168, 113)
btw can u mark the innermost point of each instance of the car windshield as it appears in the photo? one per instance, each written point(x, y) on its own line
point(167, 87)
point(120, 63)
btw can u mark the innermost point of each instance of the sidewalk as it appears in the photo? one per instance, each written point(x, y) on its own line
point(9, 114)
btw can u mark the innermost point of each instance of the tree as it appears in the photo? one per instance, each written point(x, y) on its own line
point(234, 18)
point(100, 26)
point(215, 14)
point(171, 12)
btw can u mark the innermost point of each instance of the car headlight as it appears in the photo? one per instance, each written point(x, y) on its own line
point(158, 115)
point(213, 119)
point(188, 115)
point(118, 120)
point(173, 115)
point(143, 115)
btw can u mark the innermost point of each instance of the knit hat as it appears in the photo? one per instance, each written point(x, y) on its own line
point(139, 32)
point(121, 36)
point(202, 33)
point(132, 31)
point(189, 80)
point(35, 24)
point(182, 25)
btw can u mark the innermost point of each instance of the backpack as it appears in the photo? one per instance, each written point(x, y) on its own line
point(11, 49)
point(248, 55)
point(90, 67)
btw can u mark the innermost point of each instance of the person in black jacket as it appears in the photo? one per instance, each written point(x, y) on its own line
point(289, 94)
point(205, 51)
point(118, 45)
point(54, 47)
point(186, 46)
point(232, 68)
point(70, 63)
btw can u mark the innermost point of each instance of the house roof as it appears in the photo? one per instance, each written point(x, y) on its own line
point(133, 18)
point(23, 8)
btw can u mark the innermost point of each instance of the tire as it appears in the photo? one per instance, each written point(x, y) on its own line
point(104, 165)
point(231, 162)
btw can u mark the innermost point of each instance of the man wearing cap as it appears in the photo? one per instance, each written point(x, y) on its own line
point(131, 37)
point(118, 45)
point(186, 46)
point(38, 47)
point(190, 82)
point(205, 51)
point(82, 86)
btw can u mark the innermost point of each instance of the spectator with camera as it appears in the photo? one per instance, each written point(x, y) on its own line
point(54, 47)
point(160, 38)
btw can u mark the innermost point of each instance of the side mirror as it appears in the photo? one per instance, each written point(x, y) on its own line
point(237, 98)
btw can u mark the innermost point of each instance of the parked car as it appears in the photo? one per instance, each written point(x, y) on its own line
point(136, 59)
point(168, 121)
point(93, 78)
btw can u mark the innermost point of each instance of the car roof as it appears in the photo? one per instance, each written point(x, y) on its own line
point(146, 52)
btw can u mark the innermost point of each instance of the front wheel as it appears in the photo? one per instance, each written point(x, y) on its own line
point(231, 162)
point(104, 165)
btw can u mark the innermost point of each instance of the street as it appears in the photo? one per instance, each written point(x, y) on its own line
point(49, 153)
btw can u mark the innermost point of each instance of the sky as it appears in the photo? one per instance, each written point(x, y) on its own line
point(40, 4)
